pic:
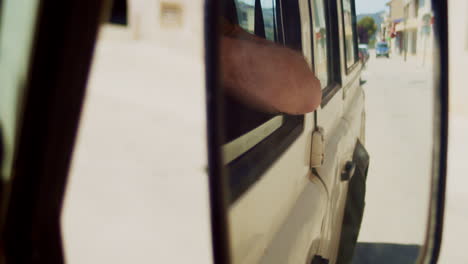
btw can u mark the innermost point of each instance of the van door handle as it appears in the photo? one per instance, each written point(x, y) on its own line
point(348, 171)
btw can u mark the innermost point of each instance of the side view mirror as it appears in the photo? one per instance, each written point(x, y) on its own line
point(223, 131)
point(270, 203)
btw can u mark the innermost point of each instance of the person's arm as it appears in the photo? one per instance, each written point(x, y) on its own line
point(267, 76)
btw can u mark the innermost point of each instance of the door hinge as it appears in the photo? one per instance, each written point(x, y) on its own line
point(317, 154)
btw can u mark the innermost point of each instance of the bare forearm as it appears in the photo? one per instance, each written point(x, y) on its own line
point(268, 76)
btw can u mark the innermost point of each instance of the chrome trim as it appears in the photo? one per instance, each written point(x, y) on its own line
point(239, 146)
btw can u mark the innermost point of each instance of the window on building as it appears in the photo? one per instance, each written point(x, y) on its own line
point(320, 41)
point(119, 12)
point(350, 40)
point(415, 5)
point(243, 17)
point(246, 13)
point(421, 3)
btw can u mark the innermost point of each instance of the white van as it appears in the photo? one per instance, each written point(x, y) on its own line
point(126, 149)
point(288, 175)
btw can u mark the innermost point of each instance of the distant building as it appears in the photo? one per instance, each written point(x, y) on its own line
point(408, 28)
point(168, 20)
point(385, 27)
point(393, 16)
point(246, 16)
point(425, 30)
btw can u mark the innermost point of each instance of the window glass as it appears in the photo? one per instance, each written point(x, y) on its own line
point(269, 18)
point(246, 16)
point(265, 86)
point(382, 45)
point(320, 41)
point(350, 44)
point(119, 12)
point(414, 6)
point(242, 119)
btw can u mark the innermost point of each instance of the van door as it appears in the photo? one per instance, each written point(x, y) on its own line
point(341, 116)
point(267, 157)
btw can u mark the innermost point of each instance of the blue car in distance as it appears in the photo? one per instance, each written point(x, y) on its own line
point(381, 49)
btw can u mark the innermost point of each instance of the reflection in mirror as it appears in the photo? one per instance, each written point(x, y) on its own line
point(325, 145)
point(137, 188)
point(399, 129)
point(328, 129)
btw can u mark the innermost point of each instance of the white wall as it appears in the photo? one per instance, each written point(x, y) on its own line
point(148, 22)
point(456, 206)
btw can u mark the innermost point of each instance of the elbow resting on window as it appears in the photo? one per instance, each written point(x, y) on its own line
point(267, 76)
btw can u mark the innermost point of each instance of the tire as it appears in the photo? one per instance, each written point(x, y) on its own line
point(354, 208)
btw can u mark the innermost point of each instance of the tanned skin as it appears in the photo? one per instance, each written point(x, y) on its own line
point(266, 76)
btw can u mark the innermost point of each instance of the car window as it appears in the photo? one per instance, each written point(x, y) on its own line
point(382, 45)
point(269, 19)
point(326, 46)
point(245, 10)
point(240, 118)
point(246, 14)
point(320, 41)
point(249, 131)
point(349, 18)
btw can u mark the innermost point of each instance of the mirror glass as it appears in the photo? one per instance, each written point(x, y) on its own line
point(400, 96)
point(328, 129)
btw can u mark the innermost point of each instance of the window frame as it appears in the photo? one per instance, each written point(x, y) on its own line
point(54, 93)
point(313, 39)
point(333, 50)
point(349, 69)
point(250, 166)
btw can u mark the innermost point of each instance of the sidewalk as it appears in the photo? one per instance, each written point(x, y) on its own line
point(399, 112)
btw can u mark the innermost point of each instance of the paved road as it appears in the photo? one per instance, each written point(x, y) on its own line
point(399, 139)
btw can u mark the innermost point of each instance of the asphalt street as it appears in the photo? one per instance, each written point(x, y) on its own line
point(399, 110)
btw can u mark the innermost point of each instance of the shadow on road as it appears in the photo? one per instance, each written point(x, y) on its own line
point(382, 253)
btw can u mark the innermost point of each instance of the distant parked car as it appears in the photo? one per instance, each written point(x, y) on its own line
point(381, 49)
point(364, 52)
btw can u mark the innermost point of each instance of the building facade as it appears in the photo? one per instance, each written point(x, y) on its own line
point(393, 16)
point(168, 20)
point(408, 28)
point(412, 31)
